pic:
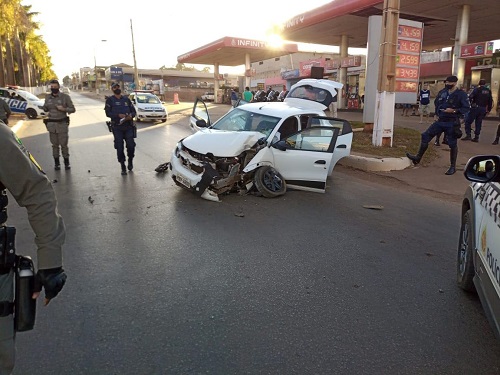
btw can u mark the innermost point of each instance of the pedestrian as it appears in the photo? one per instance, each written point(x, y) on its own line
point(481, 103)
point(247, 95)
point(406, 108)
point(58, 105)
point(27, 183)
point(5, 112)
point(333, 105)
point(120, 110)
point(424, 100)
point(283, 94)
point(497, 137)
point(450, 103)
point(234, 98)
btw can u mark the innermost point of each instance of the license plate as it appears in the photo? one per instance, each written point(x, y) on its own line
point(183, 180)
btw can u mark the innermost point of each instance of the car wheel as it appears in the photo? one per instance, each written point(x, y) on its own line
point(31, 113)
point(465, 261)
point(269, 182)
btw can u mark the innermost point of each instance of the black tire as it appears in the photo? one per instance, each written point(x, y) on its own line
point(465, 255)
point(31, 113)
point(269, 182)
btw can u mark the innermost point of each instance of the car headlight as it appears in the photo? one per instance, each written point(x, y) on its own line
point(40, 107)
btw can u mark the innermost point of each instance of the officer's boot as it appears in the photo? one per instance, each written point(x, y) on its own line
point(445, 139)
point(453, 161)
point(421, 151)
point(124, 169)
point(66, 163)
point(467, 137)
point(497, 138)
point(57, 164)
point(130, 165)
point(437, 140)
point(476, 138)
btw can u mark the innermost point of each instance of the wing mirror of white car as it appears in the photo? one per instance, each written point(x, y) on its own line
point(483, 168)
point(280, 145)
point(201, 123)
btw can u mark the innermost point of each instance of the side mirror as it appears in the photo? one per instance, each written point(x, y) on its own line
point(483, 168)
point(201, 123)
point(280, 145)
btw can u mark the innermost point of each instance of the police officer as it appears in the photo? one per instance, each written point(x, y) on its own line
point(120, 110)
point(27, 183)
point(58, 105)
point(5, 111)
point(481, 102)
point(450, 103)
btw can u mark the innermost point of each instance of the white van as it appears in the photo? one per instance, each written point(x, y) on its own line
point(148, 106)
point(23, 102)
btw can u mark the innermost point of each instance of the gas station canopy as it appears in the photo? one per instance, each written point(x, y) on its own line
point(326, 24)
point(231, 51)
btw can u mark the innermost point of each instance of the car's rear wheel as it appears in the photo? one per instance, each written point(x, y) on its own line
point(269, 182)
point(31, 113)
point(465, 261)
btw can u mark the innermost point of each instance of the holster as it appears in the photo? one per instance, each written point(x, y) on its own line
point(457, 132)
point(7, 248)
point(47, 120)
point(109, 124)
point(135, 129)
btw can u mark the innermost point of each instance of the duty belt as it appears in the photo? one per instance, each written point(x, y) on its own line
point(6, 308)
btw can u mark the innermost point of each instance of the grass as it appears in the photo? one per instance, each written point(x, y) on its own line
point(404, 140)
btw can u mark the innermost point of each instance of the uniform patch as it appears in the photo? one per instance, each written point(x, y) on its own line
point(25, 150)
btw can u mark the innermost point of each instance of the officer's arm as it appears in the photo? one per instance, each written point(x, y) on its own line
point(107, 108)
point(45, 107)
point(31, 189)
point(70, 108)
point(133, 113)
point(464, 104)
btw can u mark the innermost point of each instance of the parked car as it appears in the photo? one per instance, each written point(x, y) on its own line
point(264, 147)
point(208, 97)
point(23, 102)
point(478, 264)
point(148, 106)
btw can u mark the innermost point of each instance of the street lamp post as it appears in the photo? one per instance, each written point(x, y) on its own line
point(136, 74)
point(95, 67)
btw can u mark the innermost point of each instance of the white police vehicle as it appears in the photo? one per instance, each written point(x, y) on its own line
point(264, 147)
point(23, 102)
point(478, 265)
point(148, 106)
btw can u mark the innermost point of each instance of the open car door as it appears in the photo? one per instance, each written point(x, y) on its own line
point(304, 158)
point(200, 119)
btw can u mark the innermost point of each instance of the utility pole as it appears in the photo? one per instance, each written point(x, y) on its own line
point(136, 74)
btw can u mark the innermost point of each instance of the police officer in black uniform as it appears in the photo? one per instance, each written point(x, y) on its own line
point(121, 111)
point(481, 102)
point(451, 103)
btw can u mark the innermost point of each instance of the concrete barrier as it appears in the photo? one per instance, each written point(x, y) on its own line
point(375, 164)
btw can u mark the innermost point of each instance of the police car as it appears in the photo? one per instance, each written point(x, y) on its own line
point(264, 147)
point(23, 102)
point(478, 265)
point(148, 106)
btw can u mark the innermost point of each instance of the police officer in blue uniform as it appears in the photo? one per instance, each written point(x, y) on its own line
point(120, 110)
point(451, 103)
point(481, 102)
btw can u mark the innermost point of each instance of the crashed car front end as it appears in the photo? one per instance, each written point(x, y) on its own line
point(207, 175)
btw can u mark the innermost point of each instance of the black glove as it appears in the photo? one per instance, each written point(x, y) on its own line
point(52, 281)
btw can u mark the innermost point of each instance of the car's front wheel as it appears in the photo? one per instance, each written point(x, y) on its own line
point(269, 182)
point(465, 255)
point(31, 113)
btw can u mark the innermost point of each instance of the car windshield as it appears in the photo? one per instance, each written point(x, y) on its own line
point(30, 96)
point(241, 120)
point(147, 98)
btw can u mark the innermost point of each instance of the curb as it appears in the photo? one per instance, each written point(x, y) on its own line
point(375, 164)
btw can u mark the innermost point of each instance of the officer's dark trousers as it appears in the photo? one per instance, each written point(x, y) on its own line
point(439, 127)
point(124, 133)
point(476, 115)
point(7, 348)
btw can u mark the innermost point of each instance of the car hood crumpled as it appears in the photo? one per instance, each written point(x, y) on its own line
point(221, 143)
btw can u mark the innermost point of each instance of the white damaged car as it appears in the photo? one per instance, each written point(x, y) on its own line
point(264, 147)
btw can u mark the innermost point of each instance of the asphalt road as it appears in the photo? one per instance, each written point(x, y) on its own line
point(162, 282)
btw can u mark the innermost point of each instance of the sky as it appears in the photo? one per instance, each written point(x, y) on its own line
point(163, 30)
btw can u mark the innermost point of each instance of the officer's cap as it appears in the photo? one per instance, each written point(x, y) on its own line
point(116, 84)
point(451, 79)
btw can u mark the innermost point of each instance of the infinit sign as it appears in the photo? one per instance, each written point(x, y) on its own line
point(247, 43)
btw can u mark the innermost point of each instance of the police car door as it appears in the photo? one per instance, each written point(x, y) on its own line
point(488, 242)
point(304, 158)
point(200, 118)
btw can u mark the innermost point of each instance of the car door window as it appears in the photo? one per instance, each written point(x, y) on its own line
point(313, 139)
